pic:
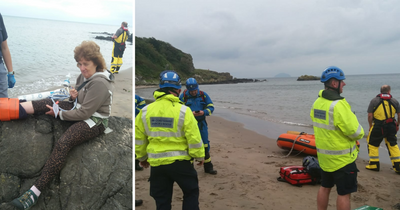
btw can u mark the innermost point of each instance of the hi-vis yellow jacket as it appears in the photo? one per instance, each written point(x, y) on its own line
point(336, 131)
point(166, 131)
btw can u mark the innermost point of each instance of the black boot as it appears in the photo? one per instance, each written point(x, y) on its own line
point(209, 168)
point(396, 167)
point(138, 202)
point(137, 166)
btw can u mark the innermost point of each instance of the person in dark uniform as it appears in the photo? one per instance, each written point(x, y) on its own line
point(383, 125)
point(202, 106)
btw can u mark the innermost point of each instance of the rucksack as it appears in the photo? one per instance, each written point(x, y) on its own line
point(296, 175)
point(185, 97)
point(311, 164)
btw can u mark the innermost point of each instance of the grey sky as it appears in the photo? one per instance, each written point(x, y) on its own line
point(261, 38)
point(88, 11)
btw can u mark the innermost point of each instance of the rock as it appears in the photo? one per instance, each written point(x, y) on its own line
point(97, 174)
point(307, 77)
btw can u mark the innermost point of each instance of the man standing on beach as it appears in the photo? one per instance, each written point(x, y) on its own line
point(382, 124)
point(336, 130)
point(167, 139)
point(7, 79)
point(201, 105)
point(119, 39)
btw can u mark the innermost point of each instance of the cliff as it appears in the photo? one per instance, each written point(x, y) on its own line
point(153, 56)
point(97, 174)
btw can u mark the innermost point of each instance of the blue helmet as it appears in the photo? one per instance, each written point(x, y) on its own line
point(191, 84)
point(170, 79)
point(332, 72)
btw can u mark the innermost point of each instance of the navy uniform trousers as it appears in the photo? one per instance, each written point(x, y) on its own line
point(162, 180)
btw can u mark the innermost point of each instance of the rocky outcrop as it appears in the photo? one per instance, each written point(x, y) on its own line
point(307, 77)
point(109, 38)
point(97, 174)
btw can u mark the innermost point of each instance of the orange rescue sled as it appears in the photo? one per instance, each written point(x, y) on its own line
point(299, 141)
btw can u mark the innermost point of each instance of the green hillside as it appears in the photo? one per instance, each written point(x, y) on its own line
point(153, 56)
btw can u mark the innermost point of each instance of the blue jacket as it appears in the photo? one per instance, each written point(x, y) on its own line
point(139, 104)
point(196, 103)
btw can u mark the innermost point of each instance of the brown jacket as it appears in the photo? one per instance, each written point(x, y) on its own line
point(94, 99)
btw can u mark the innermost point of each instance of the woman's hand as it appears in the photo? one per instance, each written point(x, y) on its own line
point(73, 93)
point(51, 112)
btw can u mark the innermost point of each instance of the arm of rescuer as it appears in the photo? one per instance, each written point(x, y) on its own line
point(347, 121)
point(141, 141)
point(193, 137)
point(371, 118)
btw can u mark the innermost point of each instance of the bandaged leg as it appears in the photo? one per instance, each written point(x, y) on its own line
point(11, 109)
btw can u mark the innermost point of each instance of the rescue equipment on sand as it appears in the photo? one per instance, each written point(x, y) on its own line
point(298, 141)
point(296, 175)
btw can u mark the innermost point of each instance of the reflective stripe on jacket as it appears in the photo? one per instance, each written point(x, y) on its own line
point(166, 131)
point(336, 130)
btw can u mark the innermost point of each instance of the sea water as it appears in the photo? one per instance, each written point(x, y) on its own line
point(281, 104)
point(287, 101)
point(42, 51)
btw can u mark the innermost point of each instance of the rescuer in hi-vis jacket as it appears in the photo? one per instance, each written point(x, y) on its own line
point(119, 39)
point(336, 131)
point(167, 139)
point(201, 105)
point(383, 125)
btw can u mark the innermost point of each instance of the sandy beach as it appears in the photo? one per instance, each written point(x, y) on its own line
point(123, 93)
point(248, 165)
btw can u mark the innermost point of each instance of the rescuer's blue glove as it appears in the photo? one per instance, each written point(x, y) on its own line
point(11, 80)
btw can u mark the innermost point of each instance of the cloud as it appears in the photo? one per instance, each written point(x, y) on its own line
point(266, 37)
point(91, 11)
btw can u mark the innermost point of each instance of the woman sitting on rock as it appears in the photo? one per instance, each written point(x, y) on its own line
point(91, 113)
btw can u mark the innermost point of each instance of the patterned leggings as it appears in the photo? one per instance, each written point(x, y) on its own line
point(78, 133)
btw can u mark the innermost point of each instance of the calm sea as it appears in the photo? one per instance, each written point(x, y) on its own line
point(283, 104)
point(287, 102)
point(42, 51)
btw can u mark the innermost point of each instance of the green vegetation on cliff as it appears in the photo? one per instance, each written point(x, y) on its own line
point(153, 56)
point(307, 77)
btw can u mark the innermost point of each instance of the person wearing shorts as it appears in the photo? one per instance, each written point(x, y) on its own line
point(345, 179)
point(336, 131)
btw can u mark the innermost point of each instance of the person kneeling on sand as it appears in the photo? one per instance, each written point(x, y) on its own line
point(94, 98)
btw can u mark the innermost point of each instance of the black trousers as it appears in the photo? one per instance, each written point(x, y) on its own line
point(162, 180)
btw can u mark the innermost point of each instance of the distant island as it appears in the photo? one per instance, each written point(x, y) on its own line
point(308, 77)
point(282, 75)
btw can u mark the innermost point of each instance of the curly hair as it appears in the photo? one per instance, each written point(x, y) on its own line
point(90, 51)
